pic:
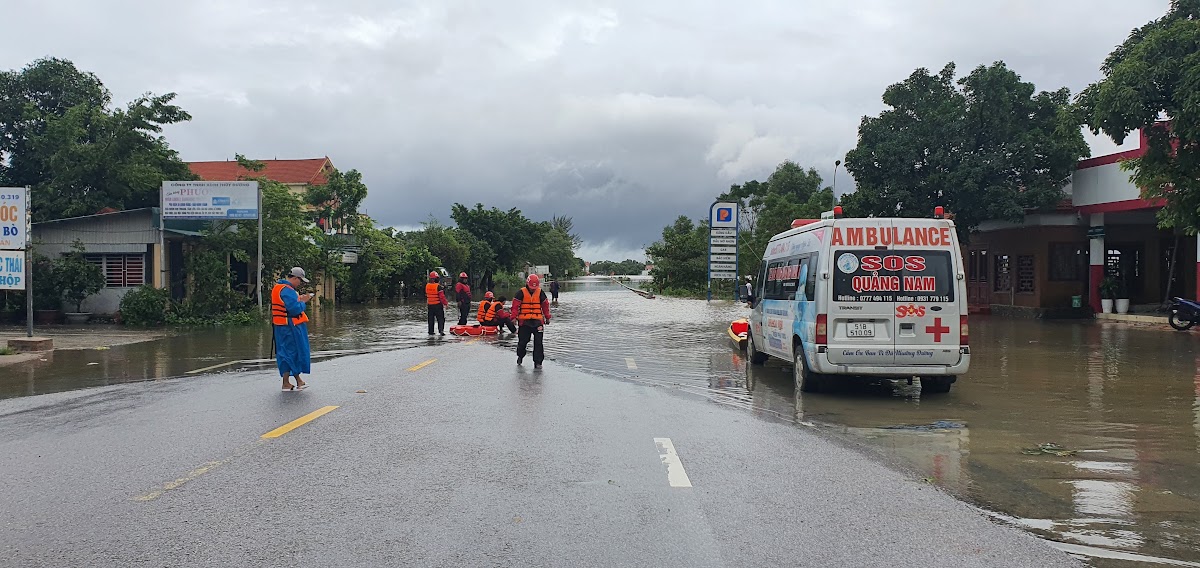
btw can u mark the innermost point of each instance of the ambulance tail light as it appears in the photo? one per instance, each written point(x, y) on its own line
point(963, 330)
point(823, 329)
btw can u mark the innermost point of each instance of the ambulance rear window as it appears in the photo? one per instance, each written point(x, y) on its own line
point(893, 276)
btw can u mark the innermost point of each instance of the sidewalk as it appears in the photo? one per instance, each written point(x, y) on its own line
point(100, 336)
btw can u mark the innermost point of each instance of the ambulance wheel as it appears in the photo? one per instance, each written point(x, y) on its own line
point(936, 385)
point(806, 381)
point(756, 357)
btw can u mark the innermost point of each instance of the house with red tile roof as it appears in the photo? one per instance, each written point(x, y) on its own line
point(296, 174)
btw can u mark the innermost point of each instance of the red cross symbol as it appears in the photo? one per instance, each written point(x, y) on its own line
point(937, 329)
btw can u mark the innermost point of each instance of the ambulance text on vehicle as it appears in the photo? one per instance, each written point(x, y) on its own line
point(874, 297)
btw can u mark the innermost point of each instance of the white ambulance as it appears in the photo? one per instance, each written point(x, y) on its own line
point(873, 297)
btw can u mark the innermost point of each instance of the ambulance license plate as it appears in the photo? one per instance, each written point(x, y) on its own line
point(861, 330)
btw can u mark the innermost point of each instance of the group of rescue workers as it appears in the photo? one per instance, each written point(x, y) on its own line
point(528, 317)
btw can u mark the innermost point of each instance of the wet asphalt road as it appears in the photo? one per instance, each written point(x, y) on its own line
point(467, 460)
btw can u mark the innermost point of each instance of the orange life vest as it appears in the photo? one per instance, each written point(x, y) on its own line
point(279, 315)
point(487, 310)
point(531, 304)
point(431, 294)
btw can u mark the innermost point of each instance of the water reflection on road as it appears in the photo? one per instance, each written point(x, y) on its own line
point(1124, 401)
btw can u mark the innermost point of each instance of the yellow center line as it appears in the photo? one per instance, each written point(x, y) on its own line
point(299, 422)
point(191, 476)
point(420, 366)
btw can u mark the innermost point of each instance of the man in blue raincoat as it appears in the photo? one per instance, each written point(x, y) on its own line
point(292, 354)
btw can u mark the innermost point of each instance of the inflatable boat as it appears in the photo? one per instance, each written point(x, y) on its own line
point(474, 329)
point(738, 331)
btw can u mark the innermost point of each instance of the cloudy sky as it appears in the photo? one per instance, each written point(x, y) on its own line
point(622, 114)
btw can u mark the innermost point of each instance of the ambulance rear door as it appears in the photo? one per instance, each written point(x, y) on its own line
point(928, 306)
point(862, 304)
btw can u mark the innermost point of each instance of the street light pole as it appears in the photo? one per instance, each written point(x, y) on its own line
point(836, 163)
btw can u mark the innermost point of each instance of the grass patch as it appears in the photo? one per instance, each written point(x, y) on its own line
point(7, 351)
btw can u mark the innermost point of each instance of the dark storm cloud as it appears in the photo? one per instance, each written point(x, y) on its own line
point(621, 114)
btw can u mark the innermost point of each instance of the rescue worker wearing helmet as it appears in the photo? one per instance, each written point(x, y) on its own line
point(487, 310)
point(531, 307)
point(435, 299)
point(504, 318)
point(462, 296)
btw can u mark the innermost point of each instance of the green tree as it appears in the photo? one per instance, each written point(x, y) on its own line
point(58, 135)
point(337, 201)
point(767, 209)
point(77, 278)
point(680, 259)
point(567, 226)
point(415, 266)
point(442, 241)
point(1154, 74)
point(627, 267)
point(555, 249)
point(289, 238)
point(985, 147)
point(510, 234)
point(378, 272)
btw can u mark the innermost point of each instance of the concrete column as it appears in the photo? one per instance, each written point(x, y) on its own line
point(1095, 263)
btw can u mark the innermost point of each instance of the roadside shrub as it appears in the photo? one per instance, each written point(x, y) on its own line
point(145, 306)
point(187, 316)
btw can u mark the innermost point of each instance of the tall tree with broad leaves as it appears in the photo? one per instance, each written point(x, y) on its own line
point(768, 208)
point(680, 259)
point(511, 235)
point(337, 200)
point(1152, 76)
point(987, 146)
point(58, 135)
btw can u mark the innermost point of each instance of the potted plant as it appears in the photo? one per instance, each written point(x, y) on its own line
point(47, 296)
point(78, 279)
point(1108, 291)
point(1122, 298)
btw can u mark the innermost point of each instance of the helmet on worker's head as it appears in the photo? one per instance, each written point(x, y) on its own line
point(488, 296)
point(747, 278)
point(433, 275)
point(533, 281)
point(462, 274)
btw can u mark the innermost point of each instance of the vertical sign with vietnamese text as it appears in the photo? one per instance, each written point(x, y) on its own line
point(722, 244)
point(14, 237)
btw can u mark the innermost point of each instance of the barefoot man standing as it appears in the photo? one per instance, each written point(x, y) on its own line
point(290, 323)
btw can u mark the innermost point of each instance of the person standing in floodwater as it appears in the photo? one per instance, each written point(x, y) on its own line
point(748, 290)
point(435, 299)
point(554, 291)
point(532, 310)
point(462, 296)
point(290, 327)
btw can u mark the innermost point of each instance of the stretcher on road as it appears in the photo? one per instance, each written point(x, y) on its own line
point(475, 329)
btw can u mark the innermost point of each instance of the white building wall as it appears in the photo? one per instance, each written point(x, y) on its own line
point(1102, 184)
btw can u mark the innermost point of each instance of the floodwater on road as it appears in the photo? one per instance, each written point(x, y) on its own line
point(1123, 402)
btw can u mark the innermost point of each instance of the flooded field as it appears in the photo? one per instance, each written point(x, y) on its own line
point(1122, 403)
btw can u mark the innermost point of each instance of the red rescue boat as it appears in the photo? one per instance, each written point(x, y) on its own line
point(738, 332)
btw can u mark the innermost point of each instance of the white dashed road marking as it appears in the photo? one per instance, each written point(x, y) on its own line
point(675, 474)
